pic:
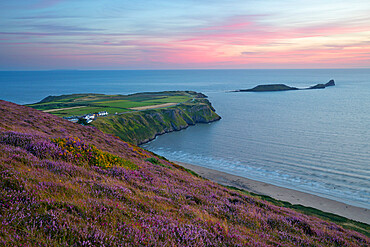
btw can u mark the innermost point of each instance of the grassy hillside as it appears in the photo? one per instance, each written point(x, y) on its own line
point(80, 104)
point(66, 184)
point(140, 127)
point(129, 119)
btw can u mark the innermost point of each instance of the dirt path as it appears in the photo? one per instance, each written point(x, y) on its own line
point(142, 108)
point(61, 109)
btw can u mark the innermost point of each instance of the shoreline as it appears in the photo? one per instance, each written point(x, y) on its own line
point(281, 193)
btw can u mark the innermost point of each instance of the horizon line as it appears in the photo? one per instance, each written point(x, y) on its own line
point(52, 70)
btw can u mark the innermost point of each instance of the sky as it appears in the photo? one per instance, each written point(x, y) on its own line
point(184, 34)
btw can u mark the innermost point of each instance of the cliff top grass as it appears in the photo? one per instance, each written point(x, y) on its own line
point(81, 104)
point(138, 127)
point(64, 184)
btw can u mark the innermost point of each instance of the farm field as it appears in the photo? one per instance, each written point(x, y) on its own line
point(81, 104)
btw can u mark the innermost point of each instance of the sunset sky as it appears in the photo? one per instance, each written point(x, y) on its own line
point(183, 34)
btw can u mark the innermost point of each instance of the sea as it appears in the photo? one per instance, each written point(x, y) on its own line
point(315, 141)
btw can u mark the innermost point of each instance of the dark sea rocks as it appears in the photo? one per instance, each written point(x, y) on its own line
point(317, 86)
point(269, 88)
point(330, 83)
point(283, 87)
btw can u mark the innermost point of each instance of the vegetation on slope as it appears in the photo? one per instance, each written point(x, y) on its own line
point(140, 127)
point(80, 104)
point(131, 123)
point(346, 223)
point(66, 184)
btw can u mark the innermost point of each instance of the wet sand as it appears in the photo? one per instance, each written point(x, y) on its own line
point(284, 194)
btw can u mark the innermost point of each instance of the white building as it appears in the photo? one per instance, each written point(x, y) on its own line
point(103, 113)
point(89, 116)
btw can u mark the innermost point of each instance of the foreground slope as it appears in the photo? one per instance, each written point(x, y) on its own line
point(66, 184)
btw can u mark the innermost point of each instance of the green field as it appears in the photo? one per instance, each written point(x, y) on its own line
point(92, 103)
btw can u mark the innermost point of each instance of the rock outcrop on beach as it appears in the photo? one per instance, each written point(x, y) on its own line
point(64, 184)
point(283, 87)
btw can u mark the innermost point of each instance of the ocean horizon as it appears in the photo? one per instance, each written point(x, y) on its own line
point(315, 141)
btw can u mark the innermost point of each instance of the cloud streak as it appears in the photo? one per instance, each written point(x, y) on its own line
point(142, 37)
point(45, 4)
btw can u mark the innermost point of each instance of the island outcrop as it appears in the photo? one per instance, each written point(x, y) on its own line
point(283, 87)
point(269, 88)
point(330, 83)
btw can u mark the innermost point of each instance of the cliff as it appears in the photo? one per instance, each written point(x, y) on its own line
point(143, 126)
point(64, 184)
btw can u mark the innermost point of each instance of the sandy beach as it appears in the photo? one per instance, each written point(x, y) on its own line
point(284, 194)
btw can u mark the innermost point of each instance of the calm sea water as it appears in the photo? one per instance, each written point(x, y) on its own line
point(316, 141)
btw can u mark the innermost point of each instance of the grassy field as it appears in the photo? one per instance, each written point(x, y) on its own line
point(93, 103)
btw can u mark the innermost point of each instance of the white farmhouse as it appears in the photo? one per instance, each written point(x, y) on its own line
point(103, 113)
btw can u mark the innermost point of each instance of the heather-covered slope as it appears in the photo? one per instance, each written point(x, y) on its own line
point(65, 184)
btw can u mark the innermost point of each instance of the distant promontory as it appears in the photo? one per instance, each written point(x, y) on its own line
point(283, 87)
point(135, 118)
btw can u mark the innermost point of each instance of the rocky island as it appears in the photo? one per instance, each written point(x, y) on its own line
point(283, 87)
point(322, 86)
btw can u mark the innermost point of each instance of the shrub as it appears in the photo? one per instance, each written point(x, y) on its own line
point(75, 150)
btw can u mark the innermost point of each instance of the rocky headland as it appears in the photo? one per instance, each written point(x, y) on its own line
point(135, 118)
point(143, 126)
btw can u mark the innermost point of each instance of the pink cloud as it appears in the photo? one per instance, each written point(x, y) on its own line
point(46, 4)
point(229, 26)
point(324, 30)
point(329, 57)
point(248, 31)
point(206, 47)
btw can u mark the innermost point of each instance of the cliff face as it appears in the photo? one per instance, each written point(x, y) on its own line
point(141, 127)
